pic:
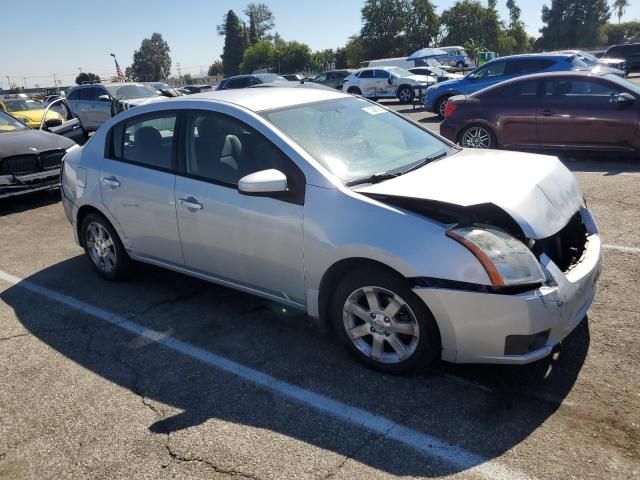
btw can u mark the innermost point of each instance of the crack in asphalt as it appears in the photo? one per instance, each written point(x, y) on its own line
point(208, 463)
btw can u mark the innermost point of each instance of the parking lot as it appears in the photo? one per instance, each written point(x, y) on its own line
point(166, 376)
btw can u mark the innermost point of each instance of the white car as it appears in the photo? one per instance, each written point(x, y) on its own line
point(386, 82)
point(410, 247)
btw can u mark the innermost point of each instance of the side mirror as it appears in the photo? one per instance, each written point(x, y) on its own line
point(623, 99)
point(53, 122)
point(264, 182)
point(390, 80)
point(104, 98)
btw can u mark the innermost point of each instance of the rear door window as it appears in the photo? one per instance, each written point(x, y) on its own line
point(579, 92)
point(366, 74)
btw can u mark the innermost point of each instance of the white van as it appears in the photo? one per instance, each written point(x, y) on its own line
point(401, 62)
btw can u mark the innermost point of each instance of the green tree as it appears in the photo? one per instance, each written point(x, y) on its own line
point(216, 68)
point(341, 58)
point(262, 18)
point(253, 31)
point(258, 56)
point(619, 7)
point(422, 25)
point(572, 23)
point(86, 77)
point(614, 33)
point(188, 79)
point(292, 56)
point(322, 60)
point(355, 51)
point(469, 20)
point(151, 62)
point(383, 28)
point(234, 44)
point(516, 35)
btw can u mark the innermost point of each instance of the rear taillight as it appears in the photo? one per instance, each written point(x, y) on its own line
point(449, 109)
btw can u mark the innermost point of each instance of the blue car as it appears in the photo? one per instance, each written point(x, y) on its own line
point(496, 71)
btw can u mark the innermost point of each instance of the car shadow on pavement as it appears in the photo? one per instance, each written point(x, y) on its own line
point(28, 201)
point(486, 410)
point(606, 163)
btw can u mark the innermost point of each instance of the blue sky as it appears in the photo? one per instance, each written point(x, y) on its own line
point(88, 31)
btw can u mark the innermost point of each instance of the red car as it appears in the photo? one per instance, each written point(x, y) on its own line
point(555, 110)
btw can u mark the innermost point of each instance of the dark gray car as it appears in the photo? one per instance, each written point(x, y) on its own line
point(96, 103)
point(29, 159)
point(333, 78)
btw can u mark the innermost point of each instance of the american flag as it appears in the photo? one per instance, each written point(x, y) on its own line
point(119, 74)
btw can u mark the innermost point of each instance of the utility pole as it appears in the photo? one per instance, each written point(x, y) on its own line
point(24, 79)
point(8, 83)
point(179, 70)
point(54, 81)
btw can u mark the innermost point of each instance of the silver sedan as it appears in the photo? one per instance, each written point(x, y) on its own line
point(410, 248)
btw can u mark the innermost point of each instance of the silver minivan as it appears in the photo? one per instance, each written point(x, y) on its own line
point(96, 103)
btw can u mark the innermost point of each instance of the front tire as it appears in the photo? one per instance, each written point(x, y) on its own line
point(383, 323)
point(477, 136)
point(440, 105)
point(103, 248)
point(354, 91)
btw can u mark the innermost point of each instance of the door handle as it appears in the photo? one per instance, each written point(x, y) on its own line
point(112, 182)
point(547, 112)
point(191, 203)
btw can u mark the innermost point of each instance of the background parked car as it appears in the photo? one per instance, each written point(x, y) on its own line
point(29, 159)
point(557, 110)
point(593, 61)
point(497, 71)
point(456, 57)
point(27, 110)
point(293, 77)
point(439, 74)
point(197, 88)
point(164, 89)
point(629, 52)
point(332, 78)
point(95, 103)
point(244, 81)
point(385, 82)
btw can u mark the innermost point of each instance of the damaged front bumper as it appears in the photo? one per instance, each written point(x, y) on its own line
point(479, 327)
point(12, 185)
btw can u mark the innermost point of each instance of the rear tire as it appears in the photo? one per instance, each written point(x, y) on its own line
point(405, 95)
point(354, 91)
point(382, 321)
point(103, 248)
point(477, 136)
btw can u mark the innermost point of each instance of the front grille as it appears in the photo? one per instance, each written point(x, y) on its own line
point(566, 247)
point(24, 164)
point(51, 159)
point(20, 164)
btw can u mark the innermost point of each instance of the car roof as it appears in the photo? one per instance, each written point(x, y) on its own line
point(543, 75)
point(260, 99)
point(107, 84)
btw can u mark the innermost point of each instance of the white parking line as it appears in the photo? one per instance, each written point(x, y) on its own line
point(428, 445)
point(620, 248)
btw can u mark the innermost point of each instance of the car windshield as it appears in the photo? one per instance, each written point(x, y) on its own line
point(437, 71)
point(22, 105)
point(588, 56)
point(271, 78)
point(579, 63)
point(432, 62)
point(400, 72)
point(354, 138)
point(10, 124)
point(127, 92)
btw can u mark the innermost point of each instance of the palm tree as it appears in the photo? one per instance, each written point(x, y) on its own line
point(619, 6)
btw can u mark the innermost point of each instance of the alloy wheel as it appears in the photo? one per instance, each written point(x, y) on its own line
point(476, 137)
point(404, 95)
point(101, 247)
point(381, 324)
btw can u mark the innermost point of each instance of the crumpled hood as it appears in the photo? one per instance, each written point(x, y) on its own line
point(537, 191)
point(24, 141)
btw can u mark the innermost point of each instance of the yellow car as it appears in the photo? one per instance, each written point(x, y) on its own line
point(27, 111)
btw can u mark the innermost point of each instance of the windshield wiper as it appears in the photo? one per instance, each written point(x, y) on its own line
point(424, 161)
point(382, 176)
point(375, 178)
